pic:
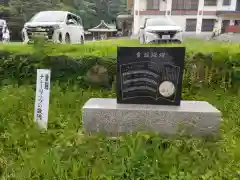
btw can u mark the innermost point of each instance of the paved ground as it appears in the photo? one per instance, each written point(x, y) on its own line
point(206, 36)
point(223, 37)
point(231, 37)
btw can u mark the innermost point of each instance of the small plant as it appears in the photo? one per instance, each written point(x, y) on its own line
point(40, 46)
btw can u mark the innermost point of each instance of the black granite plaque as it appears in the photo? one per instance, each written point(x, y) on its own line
point(150, 75)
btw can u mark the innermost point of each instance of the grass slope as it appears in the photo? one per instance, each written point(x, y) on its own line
point(108, 47)
point(63, 152)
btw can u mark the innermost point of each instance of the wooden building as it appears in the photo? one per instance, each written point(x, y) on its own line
point(103, 30)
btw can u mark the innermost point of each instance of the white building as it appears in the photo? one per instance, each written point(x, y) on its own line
point(194, 16)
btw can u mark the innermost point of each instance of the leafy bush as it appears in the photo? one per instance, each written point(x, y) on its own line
point(201, 68)
point(21, 68)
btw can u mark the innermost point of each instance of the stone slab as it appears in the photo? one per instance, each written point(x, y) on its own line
point(104, 115)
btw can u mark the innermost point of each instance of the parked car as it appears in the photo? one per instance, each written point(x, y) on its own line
point(160, 30)
point(56, 26)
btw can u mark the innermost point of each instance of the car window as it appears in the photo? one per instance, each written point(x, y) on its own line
point(75, 18)
point(49, 16)
point(72, 18)
point(78, 20)
point(159, 22)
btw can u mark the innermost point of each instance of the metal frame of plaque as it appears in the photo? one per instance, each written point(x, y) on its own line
point(150, 75)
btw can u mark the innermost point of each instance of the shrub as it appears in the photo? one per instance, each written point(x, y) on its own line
point(220, 68)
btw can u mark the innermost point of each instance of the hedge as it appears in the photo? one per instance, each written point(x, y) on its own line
point(201, 69)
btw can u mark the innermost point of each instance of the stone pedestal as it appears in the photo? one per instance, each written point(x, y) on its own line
point(104, 115)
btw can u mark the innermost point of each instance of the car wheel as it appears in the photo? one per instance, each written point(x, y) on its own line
point(67, 39)
point(23, 37)
point(60, 38)
point(82, 40)
point(144, 42)
point(141, 40)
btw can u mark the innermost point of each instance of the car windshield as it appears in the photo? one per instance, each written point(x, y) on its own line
point(49, 17)
point(159, 22)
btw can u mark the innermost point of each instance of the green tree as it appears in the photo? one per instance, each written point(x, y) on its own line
point(91, 11)
point(27, 8)
point(85, 8)
point(87, 11)
point(116, 7)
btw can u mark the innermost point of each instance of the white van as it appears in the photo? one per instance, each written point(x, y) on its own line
point(57, 26)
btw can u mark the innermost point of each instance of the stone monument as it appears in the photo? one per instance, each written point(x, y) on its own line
point(150, 75)
point(149, 87)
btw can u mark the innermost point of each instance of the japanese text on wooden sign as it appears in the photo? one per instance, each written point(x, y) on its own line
point(42, 97)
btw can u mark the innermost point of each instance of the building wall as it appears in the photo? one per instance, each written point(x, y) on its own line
point(143, 5)
point(232, 7)
point(179, 17)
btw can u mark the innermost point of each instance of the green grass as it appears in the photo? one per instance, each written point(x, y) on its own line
point(108, 47)
point(63, 152)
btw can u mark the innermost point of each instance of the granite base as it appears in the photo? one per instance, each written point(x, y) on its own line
point(104, 115)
